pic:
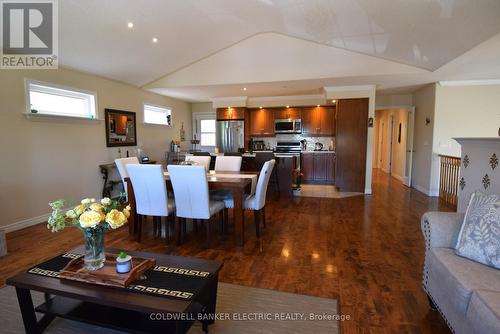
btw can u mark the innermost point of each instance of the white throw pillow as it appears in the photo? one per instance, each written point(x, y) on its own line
point(479, 238)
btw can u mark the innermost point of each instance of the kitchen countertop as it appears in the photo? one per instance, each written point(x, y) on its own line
point(322, 151)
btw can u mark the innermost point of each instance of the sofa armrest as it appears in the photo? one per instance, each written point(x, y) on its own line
point(440, 229)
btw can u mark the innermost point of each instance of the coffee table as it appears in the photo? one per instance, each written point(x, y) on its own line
point(118, 308)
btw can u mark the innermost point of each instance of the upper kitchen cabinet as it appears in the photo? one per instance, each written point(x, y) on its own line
point(262, 122)
point(318, 121)
point(227, 114)
point(287, 113)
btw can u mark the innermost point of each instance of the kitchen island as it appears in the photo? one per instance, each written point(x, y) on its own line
point(280, 182)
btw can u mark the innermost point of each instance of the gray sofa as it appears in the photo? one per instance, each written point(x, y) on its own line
point(466, 293)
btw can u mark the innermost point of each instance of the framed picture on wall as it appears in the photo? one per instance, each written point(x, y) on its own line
point(121, 128)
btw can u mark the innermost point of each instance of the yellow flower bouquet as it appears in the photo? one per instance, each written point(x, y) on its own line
point(92, 218)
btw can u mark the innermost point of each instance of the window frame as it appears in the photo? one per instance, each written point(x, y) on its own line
point(204, 115)
point(160, 107)
point(214, 133)
point(72, 92)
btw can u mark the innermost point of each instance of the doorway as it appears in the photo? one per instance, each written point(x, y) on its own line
point(393, 149)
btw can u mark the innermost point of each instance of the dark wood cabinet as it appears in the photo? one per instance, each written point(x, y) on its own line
point(330, 169)
point(318, 121)
point(327, 121)
point(225, 114)
point(261, 122)
point(287, 113)
point(351, 142)
point(307, 166)
point(318, 167)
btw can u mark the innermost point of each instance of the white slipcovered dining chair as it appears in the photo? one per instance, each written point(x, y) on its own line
point(257, 202)
point(192, 197)
point(200, 160)
point(227, 163)
point(121, 164)
point(151, 197)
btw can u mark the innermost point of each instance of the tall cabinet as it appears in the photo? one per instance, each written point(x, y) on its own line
point(351, 141)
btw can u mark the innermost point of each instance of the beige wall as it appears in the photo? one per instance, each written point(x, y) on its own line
point(455, 111)
point(465, 111)
point(424, 100)
point(202, 107)
point(397, 100)
point(44, 158)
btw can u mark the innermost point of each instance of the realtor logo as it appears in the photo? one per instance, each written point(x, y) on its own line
point(29, 34)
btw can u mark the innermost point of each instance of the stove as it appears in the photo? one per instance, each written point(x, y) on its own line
point(288, 147)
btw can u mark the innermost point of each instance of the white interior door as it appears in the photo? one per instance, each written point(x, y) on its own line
point(409, 147)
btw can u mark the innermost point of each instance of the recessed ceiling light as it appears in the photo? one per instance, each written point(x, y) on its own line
point(130, 25)
point(333, 101)
point(244, 88)
point(288, 106)
point(155, 40)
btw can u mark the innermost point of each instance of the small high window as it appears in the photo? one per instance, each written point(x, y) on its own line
point(48, 99)
point(157, 115)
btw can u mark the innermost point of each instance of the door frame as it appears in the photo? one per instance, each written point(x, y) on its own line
point(197, 117)
point(408, 164)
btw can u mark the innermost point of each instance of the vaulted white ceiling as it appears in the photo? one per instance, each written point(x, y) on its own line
point(213, 48)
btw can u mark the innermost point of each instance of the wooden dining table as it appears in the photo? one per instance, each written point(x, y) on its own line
point(238, 183)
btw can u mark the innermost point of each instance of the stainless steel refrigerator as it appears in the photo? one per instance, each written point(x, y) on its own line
point(230, 136)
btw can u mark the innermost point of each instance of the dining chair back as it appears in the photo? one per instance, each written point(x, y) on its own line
point(149, 189)
point(262, 183)
point(200, 160)
point(190, 191)
point(121, 164)
point(227, 164)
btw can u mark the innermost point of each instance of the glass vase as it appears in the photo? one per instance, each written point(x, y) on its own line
point(94, 248)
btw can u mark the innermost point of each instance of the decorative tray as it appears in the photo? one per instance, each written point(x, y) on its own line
point(107, 275)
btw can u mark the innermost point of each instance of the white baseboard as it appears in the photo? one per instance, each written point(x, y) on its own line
point(25, 223)
point(421, 189)
point(430, 193)
point(434, 193)
point(399, 177)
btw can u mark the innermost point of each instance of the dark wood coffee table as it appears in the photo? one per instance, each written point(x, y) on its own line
point(117, 308)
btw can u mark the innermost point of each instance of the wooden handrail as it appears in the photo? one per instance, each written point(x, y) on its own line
point(449, 179)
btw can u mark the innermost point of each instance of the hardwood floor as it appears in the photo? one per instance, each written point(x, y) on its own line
point(365, 250)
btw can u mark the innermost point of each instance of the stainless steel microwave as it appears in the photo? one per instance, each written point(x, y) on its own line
point(288, 126)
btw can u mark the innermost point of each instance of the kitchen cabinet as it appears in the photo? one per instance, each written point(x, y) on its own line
point(225, 114)
point(351, 144)
point(261, 122)
point(318, 121)
point(318, 167)
point(287, 113)
point(307, 167)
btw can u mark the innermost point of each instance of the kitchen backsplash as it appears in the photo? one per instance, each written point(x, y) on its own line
point(326, 141)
